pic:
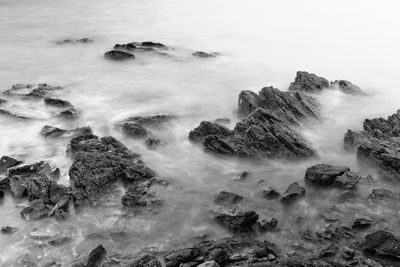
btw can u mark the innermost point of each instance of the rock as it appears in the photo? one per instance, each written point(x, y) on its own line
point(209, 264)
point(37, 168)
point(222, 121)
point(270, 193)
point(347, 180)
point(324, 174)
point(56, 102)
point(52, 132)
point(8, 162)
point(36, 210)
point(329, 251)
point(40, 91)
point(361, 222)
point(17, 186)
point(293, 192)
point(96, 256)
point(155, 120)
point(237, 221)
point(147, 260)
point(267, 225)
point(59, 240)
point(69, 114)
point(118, 55)
point(293, 107)
point(218, 255)
point(176, 257)
point(348, 253)
point(348, 88)
point(204, 54)
point(99, 163)
point(227, 198)
point(152, 142)
point(5, 184)
point(135, 130)
point(383, 243)
point(208, 128)
point(308, 82)
point(138, 196)
point(383, 194)
point(70, 41)
point(9, 114)
point(41, 187)
point(8, 229)
point(153, 44)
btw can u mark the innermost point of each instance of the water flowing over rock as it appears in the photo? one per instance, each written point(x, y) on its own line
point(378, 144)
point(99, 163)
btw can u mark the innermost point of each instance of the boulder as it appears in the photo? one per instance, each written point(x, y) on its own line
point(8, 162)
point(324, 174)
point(56, 102)
point(118, 55)
point(202, 54)
point(227, 198)
point(37, 168)
point(293, 192)
point(237, 221)
point(36, 210)
point(8, 229)
point(383, 243)
point(347, 180)
point(69, 114)
point(155, 120)
point(17, 186)
point(52, 132)
point(134, 129)
point(308, 82)
point(208, 128)
point(41, 187)
point(270, 193)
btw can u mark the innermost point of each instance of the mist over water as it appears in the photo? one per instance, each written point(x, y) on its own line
point(262, 43)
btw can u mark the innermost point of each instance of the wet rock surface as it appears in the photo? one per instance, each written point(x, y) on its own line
point(75, 41)
point(7, 162)
point(325, 174)
point(237, 221)
point(308, 82)
point(118, 55)
point(32, 91)
point(56, 102)
point(227, 198)
point(202, 54)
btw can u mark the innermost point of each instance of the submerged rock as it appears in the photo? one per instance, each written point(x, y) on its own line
point(155, 120)
point(347, 180)
point(348, 88)
point(69, 114)
point(74, 41)
point(384, 194)
point(293, 192)
point(152, 142)
point(267, 225)
point(227, 198)
point(56, 102)
point(40, 91)
point(270, 193)
point(204, 54)
point(9, 114)
point(8, 162)
point(139, 196)
point(237, 221)
point(118, 55)
point(308, 82)
point(36, 210)
point(324, 174)
point(8, 229)
point(52, 132)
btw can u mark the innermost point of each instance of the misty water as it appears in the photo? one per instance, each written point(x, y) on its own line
point(261, 43)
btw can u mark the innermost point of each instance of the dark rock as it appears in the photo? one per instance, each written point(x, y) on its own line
point(348, 88)
point(383, 243)
point(329, 251)
point(227, 198)
point(69, 41)
point(17, 186)
point(241, 221)
point(39, 91)
point(324, 174)
point(69, 114)
point(308, 82)
point(204, 54)
point(41, 187)
point(208, 128)
point(128, 46)
point(293, 107)
point(8, 162)
point(138, 196)
point(11, 115)
point(8, 230)
point(267, 225)
point(40, 167)
point(383, 194)
point(118, 55)
point(270, 193)
point(176, 257)
point(134, 129)
point(152, 142)
point(152, 120)
point(348, 253)
point(1, 194)
point(153, 44)
point(5, 184)
point(293, 192)
point(361, 222)
point(218, 255)
point(347, 180)
point(56, 102)
point(36, 210)
point(96, 256)
point(147, 260)
point(99, 163)
point(52, 132)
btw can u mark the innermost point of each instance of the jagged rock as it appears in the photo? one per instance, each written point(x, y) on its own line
point(40, 167)
point(99, 163)
point(118, 55)
point(8, 229)
point(348, 88)
point(41, 187)
point(324, 174)
point(134, 129)
point(293, 192)
point(208, 128)
point(52, 132)
point(270, 193)
point(36, 210)
point(204, 54)
point(293, 107)
point(8, 162)
point(329, 251)
point(347, 180)
point(227, 198)
point(383, 194)
point(155, 120)
point(308, 82)
point(361, 222)
point(138, 196)
point(147, 260)
point(56, 102)
point(70, 41)
point(383, 243)
point(17, 186)
point(152, 142)
point(237, 221)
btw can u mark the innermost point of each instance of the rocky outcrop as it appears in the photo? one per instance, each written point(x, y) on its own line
point(347, 87)
point(308, 82)
point(138, 47)
point(378, 144)
point(99, 163)
point(118, 55)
